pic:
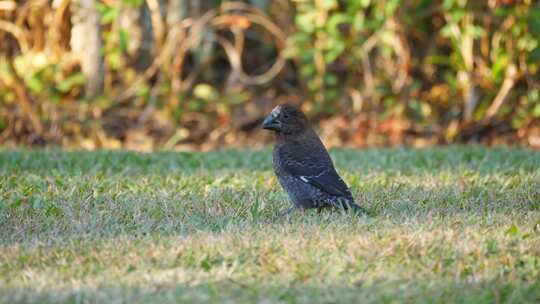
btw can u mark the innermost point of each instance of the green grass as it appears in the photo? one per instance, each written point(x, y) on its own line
point(456, 224)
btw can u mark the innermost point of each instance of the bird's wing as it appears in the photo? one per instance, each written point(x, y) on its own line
point(329, 182)
point(316, 168)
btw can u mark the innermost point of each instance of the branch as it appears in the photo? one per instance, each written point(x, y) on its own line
point(508, 83)
point(17, 32)
point(25, 100)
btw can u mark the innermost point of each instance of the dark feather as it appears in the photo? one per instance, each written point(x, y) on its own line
point(302, 163)
point(329, 182)
point(309, 161)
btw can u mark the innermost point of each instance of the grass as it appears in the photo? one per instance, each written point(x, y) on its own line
point(456, 224)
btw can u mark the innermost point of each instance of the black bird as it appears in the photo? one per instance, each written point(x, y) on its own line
point(302, 164)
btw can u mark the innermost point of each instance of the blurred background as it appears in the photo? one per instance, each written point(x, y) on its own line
point(188, 74)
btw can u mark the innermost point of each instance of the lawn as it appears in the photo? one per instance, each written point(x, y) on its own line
point(453, 224)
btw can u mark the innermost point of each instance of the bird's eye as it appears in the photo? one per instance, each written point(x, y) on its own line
point(285, 115)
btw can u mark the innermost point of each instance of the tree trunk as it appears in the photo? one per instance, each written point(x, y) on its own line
point(177, 10)
point(136, 21)
point(86, 44)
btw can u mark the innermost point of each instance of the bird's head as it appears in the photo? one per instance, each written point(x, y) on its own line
point(286, 119)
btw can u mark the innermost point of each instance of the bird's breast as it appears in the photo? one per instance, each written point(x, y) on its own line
point(278, 159)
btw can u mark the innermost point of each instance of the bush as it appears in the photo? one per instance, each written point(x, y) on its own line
point(372, 72)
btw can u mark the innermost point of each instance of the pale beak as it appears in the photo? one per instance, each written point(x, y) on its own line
point(271, 122)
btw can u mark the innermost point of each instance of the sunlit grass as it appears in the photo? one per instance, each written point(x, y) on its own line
point(457, 224)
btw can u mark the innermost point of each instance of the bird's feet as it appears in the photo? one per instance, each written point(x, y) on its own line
point(357, 209)
point(287, 212)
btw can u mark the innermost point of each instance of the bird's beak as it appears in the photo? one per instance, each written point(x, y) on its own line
point(271, 122)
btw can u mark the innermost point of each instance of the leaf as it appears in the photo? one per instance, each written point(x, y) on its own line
point(328, 4)
point(206, 92)
point(66, 85)
point(534, 21)
point(448, 4)
point(331, 79)
point(337, 48)
point(536, 111)
point(123, 37)
point(513, 230)
point(491, 246)
point(331, 94)
point(115, 59)
point(307, 70)
point(53, 210)
point(391, 6)
point(133, 3)
point(306, 22)
point(359, 21)
point(334, 21)
point(438, 60)
point(108, 14)
point(35, 83)
point(307, 55)
point(476, 31)
point(446, 31)
point(17, 202)
point(497, 71)
point(457, 15)
point(313, 85)
point(534, 55)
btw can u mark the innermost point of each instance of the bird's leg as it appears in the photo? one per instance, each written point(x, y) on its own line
point(342, 205)
point(288, 211)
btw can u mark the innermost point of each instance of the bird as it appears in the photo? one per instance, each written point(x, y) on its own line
point(302, 164)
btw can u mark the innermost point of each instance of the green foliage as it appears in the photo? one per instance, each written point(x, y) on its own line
point(328, 32)
point(332, 33)
point(443, 68)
